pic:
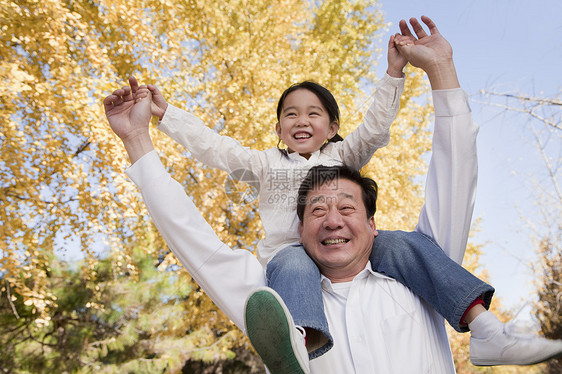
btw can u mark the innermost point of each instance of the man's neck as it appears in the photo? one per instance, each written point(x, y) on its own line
point(339, 276)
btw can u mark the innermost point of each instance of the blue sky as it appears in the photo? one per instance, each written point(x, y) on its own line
point(508, 46)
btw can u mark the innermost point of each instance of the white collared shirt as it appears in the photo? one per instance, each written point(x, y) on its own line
point(381, 327)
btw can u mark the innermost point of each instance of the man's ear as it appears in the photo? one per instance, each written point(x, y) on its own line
point(278, 129)
point(373, 226)
point(300, 231)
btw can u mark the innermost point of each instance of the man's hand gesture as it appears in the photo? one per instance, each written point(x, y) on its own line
point(432, 52)
point(128, 112)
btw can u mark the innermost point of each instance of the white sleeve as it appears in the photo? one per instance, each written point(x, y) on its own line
point(210, 148)
point(358, 147)
point(227, 276)
point(451, 180)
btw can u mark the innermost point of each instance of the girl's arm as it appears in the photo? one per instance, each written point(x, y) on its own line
point(208, 147)
point(358, 147)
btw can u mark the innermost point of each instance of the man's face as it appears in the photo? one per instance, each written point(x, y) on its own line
point(335, 230)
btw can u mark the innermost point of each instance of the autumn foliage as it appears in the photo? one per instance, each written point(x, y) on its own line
point(62, 186)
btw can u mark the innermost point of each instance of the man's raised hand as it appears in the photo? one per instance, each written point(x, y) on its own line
point(128, 113)
point(432, 52)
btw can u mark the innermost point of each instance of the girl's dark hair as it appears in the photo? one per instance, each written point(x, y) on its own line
point(320, 175)
point(325, 97)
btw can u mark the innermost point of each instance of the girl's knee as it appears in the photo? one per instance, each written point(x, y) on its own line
point(291, 260)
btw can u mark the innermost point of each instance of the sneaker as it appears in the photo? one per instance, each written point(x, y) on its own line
point(507, 347)
point(273, 333)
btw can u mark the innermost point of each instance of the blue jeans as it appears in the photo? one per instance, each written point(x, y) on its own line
point(412, 258)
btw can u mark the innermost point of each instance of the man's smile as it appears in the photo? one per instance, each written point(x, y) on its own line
point(334, 241)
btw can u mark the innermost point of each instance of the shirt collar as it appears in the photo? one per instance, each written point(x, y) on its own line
point(296, 156)
point(366, 272)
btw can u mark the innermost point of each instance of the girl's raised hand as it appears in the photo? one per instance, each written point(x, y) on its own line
point(396, 61)
point(159, 104)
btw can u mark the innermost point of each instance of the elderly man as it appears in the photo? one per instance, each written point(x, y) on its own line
point(378, 324)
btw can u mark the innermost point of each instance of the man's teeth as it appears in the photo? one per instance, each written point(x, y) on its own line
point(334, 241)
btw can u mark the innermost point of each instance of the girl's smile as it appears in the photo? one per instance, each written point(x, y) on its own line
point(304, 124)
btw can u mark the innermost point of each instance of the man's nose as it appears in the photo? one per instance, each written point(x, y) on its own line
point(333, 220)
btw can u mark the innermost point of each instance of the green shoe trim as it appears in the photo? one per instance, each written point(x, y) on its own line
point(269, 330)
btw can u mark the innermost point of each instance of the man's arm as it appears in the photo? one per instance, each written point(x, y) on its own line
point(451, 179)
point(453, 168)
point(226, 276)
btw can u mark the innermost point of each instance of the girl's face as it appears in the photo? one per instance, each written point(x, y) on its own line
point(304, 124)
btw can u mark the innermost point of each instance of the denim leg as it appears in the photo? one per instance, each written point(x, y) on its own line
point(416, 261)
point(296, 278)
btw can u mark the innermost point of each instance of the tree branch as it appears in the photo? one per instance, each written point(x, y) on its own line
point(10, 301)
point(530, 112)
point(537, 100)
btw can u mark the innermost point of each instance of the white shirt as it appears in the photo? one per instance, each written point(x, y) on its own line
point(276, 176)
point(381, 327)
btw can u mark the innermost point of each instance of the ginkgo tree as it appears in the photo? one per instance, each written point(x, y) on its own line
point(541, 118)
point(61, 169)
